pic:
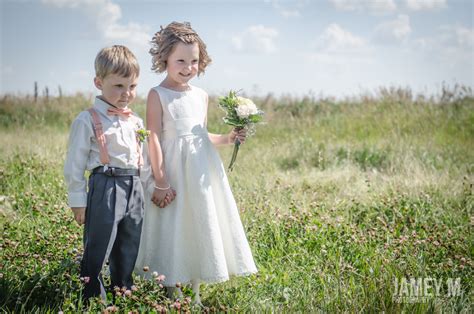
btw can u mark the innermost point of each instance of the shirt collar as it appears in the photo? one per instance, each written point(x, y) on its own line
point(102, 106)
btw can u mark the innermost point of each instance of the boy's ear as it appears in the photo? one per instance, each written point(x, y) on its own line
point(98, 82)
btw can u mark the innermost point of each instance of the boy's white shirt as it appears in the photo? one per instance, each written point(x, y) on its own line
point(83, 151)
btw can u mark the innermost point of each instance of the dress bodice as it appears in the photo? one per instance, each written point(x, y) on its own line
point(183, 112)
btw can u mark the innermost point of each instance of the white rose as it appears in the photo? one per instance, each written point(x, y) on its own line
point(245, 108)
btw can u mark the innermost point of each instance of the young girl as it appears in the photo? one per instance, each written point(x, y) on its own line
point(192, 230)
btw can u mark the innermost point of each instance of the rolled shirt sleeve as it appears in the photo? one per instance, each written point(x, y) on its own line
point(76, 160)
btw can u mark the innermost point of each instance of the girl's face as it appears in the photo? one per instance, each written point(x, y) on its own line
point(182, 64)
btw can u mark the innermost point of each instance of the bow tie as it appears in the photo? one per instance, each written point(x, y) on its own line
point(125, 113)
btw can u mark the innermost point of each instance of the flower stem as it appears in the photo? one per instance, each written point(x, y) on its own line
point(234, 154)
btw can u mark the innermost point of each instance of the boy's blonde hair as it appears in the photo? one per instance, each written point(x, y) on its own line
point(116, 60)
point(164, 41)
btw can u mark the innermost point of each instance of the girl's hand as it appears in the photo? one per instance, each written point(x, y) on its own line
point(237, 133)
point(170, 196)
point(163, 198)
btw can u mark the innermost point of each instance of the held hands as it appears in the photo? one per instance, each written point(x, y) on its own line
point(239, 134)
point(79, 214)
point(162, 197)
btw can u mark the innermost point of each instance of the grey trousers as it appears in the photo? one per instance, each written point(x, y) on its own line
point(112, 230)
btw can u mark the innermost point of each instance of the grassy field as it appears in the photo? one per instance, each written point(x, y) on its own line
point(343, 201)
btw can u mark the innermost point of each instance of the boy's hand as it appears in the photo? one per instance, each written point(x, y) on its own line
point(79, 214)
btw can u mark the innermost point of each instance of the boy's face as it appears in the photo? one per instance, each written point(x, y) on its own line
point(183, 63)
point(117, 90)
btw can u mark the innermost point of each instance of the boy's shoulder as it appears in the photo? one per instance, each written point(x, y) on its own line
point(83, 116)
point(81, 123)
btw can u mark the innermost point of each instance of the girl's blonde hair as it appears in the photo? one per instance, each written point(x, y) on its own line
point(118, 60)
point(165, 39)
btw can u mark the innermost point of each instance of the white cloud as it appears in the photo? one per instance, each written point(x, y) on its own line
point(337, 39)
point(394, 30)
point(64, 3)
point(452, 46)
point(286, 11)
point(132, 32)
point(106, 15)
point(339, 48)
point(417, 5)
point(464, 36)
point(373, 6)
point(453, 36)
point(256, 38)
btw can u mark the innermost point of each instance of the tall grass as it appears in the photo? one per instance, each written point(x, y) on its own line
point(338, 197)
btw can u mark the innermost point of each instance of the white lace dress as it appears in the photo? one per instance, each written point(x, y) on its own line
point(199, 235)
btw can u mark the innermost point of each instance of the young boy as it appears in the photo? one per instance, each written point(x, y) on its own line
point(104, 141)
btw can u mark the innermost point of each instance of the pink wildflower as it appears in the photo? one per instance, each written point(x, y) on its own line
point(177, 305)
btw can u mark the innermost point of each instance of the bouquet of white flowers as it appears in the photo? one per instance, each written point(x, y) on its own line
point(241, 113)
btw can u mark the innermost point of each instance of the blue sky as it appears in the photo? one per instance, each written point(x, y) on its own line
point(321, 47)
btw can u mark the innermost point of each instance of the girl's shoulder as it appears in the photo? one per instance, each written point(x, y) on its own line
point(193, 92)
point(155, 89)
point(199, 91)
point(192, 89)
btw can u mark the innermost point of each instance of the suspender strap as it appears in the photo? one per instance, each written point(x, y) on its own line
point(99, 135)
point(140, 154)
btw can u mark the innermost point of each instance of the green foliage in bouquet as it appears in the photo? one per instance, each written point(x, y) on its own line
point(241, 113)
point(230, 105)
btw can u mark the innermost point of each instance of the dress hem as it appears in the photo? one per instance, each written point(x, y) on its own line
point(210, 280)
